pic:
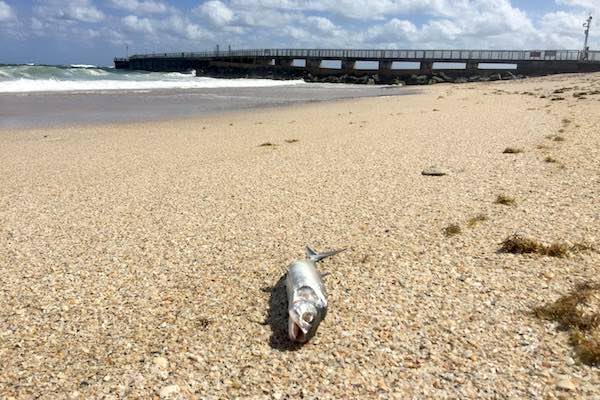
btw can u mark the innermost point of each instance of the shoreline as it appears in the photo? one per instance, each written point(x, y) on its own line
point(51, 109)
point(213, 117)
point(143, 258)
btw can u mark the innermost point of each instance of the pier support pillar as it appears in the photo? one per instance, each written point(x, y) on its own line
point(348, 66)
point(472, 67)
point(385, 66)
point(313, 65)
point(426, 67)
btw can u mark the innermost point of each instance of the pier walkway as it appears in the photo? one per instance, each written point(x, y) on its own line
point(384, 63)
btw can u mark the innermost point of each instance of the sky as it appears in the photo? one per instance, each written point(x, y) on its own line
point(95, 31)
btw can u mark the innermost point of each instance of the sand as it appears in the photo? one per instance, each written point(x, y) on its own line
point(35, 110)
point(145, 260)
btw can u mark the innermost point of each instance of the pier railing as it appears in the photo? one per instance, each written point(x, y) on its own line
point(500, 55)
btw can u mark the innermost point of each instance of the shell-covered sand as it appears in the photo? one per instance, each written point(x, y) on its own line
point(145, 260)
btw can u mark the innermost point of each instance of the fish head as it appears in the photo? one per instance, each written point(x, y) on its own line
point(304, 317)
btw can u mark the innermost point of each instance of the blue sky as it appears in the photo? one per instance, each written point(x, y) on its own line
point(94, 31)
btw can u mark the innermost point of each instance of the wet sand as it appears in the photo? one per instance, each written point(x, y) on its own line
point(41, 110)
point(145, 260)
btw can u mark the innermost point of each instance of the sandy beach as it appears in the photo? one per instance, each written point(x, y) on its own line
point(144, 260)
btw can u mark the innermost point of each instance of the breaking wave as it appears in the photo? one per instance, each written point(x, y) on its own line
point(82, 77)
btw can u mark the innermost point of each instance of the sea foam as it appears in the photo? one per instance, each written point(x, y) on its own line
point(38, 78)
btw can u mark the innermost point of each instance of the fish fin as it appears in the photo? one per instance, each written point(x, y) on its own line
point(312, 255)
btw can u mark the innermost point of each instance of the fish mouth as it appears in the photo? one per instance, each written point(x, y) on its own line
point(297, 334)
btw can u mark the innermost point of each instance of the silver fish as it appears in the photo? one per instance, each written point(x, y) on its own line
point(307, 301)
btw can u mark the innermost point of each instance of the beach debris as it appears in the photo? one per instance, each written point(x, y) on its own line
point(452, 230)
point(512, 150)
point(505, 200)
point(292, 140)
point(433, 171)
point(566, 384)
point(267, 144)
point(161, 362)
point(578, 313)
point(307, 301)
point(477, 219)
point(169, 392)
point(518, 244)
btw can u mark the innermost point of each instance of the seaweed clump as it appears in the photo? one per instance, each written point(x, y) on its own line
point(512, 150)
point(505, 200)
point(576, 313)
point(477, 219)
point(517, 244)
point(452, 230)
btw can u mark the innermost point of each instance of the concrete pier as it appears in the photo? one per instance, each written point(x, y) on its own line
point(308, 64)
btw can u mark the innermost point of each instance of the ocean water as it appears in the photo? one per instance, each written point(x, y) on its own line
point(90, 78)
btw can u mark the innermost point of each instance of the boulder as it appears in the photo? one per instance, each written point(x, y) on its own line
point(331, 79)
point(445, 76)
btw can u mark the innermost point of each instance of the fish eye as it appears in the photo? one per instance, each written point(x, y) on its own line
point(308, 317)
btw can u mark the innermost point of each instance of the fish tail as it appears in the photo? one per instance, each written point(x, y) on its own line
point(315, 256)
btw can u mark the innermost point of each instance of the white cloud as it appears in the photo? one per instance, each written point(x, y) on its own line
point(564, 30)
point(140, 6)
point(176, 28)
point(395, 30)
point(69, 11)
point(158, 25)
point(216, 11)
point(589, 4)
point(298, 34)
point(6, 12)
point(181, 26)
point(135, 24)
point(468, 24)
point(268, 19)
point(451, 23)
point(366, 9)
point(321, 23)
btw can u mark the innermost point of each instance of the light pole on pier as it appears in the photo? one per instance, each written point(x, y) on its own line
point(586, 49)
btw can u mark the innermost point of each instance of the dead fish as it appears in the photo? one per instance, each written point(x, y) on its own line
point(307, 301)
